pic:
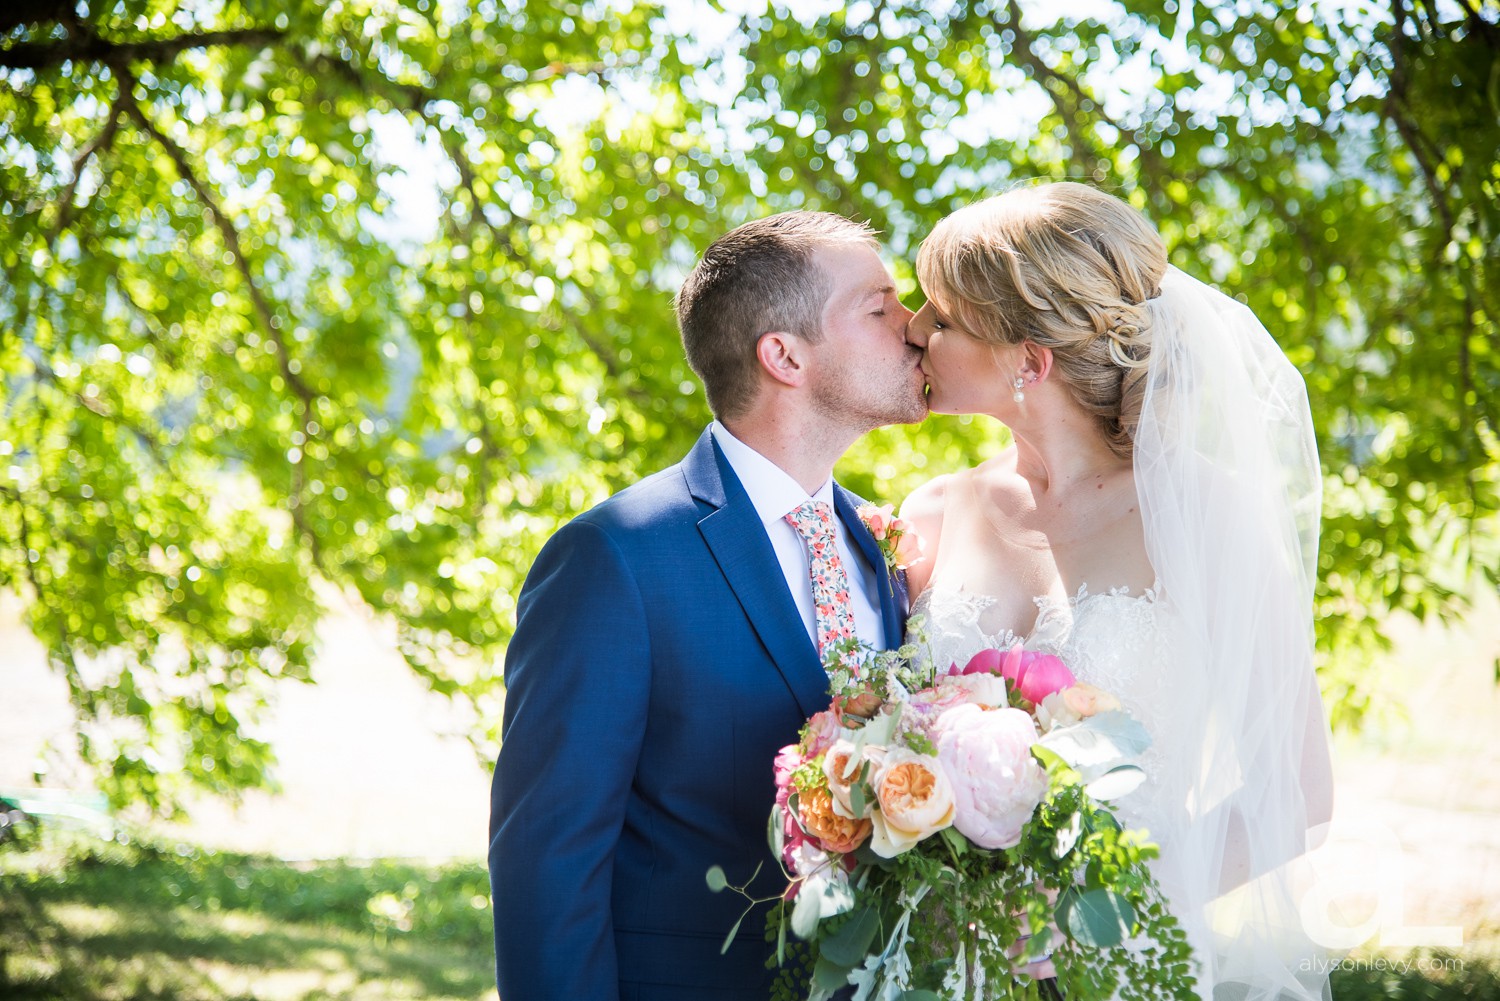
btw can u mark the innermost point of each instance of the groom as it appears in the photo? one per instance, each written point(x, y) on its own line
point(667, 641)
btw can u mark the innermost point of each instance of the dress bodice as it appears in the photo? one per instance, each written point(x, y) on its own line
point(1114, 640)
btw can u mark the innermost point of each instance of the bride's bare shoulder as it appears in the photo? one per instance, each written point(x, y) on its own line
point(924, 505)
point(923, 512)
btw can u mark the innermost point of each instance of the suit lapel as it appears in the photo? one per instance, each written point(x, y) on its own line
point(734, 534)
point(892, 587)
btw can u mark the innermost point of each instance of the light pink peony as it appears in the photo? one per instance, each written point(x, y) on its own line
point(997, 784)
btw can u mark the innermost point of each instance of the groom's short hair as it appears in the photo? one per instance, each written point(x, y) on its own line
point(756, 279)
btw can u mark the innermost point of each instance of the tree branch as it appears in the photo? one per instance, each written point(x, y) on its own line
point(85, 46)
point(231, 237)
point(100, 142)
point(262, 306)
point(1026, 51)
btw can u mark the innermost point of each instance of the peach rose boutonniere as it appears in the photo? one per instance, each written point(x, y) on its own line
point(899, 543)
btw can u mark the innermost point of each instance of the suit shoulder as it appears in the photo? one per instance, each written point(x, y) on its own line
point(654, 503)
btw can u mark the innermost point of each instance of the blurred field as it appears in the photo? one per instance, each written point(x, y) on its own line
point(371, 763)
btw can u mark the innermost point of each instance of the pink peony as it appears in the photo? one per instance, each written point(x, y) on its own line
point(1035, 675)
point(997, 784)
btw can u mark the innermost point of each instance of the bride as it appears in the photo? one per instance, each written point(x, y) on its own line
point(1154, 524)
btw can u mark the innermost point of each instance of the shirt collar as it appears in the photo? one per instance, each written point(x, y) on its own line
point(771, 489)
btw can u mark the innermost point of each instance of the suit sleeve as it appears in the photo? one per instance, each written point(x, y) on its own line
point(577, 676)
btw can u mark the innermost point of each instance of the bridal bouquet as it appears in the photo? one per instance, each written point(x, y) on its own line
point(946, 834)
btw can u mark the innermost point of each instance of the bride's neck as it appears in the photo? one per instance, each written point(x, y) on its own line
point(1064, 453)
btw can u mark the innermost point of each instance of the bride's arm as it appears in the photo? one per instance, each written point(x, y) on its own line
point(923, 511)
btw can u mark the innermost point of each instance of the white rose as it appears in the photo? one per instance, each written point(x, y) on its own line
point(842, 765)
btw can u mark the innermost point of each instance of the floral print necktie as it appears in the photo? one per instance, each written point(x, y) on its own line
point(830, 584)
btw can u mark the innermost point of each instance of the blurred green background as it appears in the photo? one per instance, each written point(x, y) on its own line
point(314, 305)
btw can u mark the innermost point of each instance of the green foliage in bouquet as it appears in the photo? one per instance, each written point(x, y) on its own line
point(930, 903)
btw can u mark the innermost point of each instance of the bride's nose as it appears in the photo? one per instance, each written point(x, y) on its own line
point(914, 335)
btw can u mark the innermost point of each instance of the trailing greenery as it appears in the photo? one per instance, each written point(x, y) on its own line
point(243, 352)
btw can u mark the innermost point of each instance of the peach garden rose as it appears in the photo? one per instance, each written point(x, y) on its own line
point(916, 799)
point(837, 834)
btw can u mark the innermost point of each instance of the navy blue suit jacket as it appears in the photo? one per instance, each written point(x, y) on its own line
point(659, 662)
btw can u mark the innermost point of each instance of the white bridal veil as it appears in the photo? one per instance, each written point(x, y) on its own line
point(1227, 472)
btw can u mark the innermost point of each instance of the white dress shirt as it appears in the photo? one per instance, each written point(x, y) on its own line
point(775, 495)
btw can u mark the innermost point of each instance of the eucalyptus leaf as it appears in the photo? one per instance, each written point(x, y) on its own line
point(733, 931)
point(848, 946)
point(1098, 742)
point(1097, 918)
point(776, 831)
point(829, 976)
point(806, 913)
point(1067, 835)
point(1115, 783)
point(859, 799)
point(716, 879)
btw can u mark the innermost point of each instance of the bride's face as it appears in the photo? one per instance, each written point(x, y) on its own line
point(964, 374)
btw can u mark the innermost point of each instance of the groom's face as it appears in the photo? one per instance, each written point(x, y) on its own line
point(866, 374)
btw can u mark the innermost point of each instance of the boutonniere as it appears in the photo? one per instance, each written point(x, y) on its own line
point(899, 544)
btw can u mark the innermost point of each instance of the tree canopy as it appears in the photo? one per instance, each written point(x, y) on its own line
point(373, 295)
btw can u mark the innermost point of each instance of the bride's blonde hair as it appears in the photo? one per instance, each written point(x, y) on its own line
point(1067, 267)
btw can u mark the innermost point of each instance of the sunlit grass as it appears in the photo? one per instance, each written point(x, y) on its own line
point(98, 921)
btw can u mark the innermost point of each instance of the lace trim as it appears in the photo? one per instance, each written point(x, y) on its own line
point(1150, 594)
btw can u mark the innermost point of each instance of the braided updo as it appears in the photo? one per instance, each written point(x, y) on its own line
point(1067, 267)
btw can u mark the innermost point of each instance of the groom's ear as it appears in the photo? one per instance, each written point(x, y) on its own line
point(780, 355)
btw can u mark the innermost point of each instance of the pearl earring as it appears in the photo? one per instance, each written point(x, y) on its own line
point(1019, 396)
